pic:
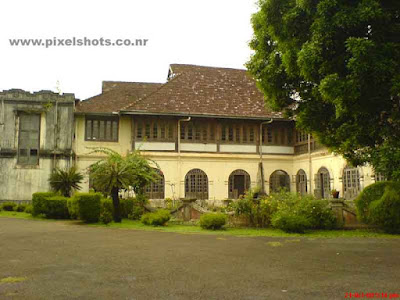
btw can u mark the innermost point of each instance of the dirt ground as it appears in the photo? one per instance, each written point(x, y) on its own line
point(57, 260)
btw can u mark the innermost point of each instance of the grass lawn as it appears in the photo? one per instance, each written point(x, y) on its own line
point(192, 229)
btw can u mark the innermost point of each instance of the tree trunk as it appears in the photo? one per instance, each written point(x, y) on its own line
point(117, 208)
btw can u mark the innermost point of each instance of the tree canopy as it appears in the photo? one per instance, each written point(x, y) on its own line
point(116, 172)
point(334, 65)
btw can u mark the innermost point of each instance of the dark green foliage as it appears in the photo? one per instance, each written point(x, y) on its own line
point(9, 206)
point(106, 205)
point(288, 211)
point(89, 206)
point(65, 180)
point(56, 208)
point(369, 194)
point(339, 63)
point(39, 202)
point(117, 172)
point(29, 209)
point(138, 207)
point(385, 212)
point(106, 212)
point(136, 213)
point(21, 207)
point(213, 221)
point(258, 211)
point(126, 206)
point(158, 218)
point(318, 212)
point(289, 221)
point(73, 208)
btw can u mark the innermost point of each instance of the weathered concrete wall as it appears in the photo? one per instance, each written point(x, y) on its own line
point(18, 182)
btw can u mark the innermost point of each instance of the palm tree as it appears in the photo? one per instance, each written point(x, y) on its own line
point(65, 180)
point(115, 172)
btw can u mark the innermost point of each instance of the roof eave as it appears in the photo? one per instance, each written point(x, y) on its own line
point(181, 114)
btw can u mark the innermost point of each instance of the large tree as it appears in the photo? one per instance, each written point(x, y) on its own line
point(115, 172)
point(334, 65)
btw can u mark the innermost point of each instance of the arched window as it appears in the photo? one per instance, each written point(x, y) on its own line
point(351, 182)
point(155, 190)
point(301, 182)
point(322, 183)
point(279, 180)
point(196, 184)
point(239, 183)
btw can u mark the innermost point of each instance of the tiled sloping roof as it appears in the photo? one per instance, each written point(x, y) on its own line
point(198, 90)
point(116, 96)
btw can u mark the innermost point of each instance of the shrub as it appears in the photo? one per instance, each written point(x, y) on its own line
point(9, 206)
point(385, 212)
point(29, 209)
point(367, 196)
point(137, 213)
point(126, 206)
point(39, 202)
point(289, 221)
point(318, 213)
point(56, 208)
point(158, 218)
point(21, 207)
point(106, 212)
point(89, 206)
point(213, 221)
point(73, 208)
point(258, 211)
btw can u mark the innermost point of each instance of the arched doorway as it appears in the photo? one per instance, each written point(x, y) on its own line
point(196, 184)
point(301, 182)
point(279, 180)
point(155, 190)
point(322, 183)
point(239, 183)
point(351, 182)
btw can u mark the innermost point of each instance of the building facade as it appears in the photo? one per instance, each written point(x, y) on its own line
point(36, 135)
point(207, 129)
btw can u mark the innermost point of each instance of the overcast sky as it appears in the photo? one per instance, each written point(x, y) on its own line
point(206, 32)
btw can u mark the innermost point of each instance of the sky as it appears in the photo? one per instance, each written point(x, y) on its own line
point(206, 32)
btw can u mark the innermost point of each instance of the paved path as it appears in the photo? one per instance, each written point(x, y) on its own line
point(64, 261)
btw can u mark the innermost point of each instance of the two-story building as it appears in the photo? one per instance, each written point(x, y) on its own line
point(207, 129)
point(213, 138)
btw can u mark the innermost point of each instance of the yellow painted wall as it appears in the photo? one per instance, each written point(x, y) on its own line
point(217, 166)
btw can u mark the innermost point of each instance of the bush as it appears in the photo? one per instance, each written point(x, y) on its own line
point(89, 206)
point(289, 221)
point(9, 206)
point(158, 218)
point(258, 211)
point(106, 212)
point(29, 209)
point(56, 208)
point(73, 208)
point(212, 221)
point(21, 207)
point(137, 213)
point(126, 206)
point(371, 193)
point(39, 202)
point(385, 212)
point(318, 212)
